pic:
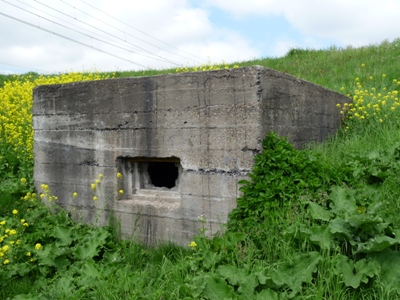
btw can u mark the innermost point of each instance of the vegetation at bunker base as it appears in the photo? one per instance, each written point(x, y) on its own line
point(317, 223)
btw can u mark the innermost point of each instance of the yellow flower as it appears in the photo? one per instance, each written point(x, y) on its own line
point(3, 222)
point(74, 194)
point(97, 181)
point(25, 224)
point(95, 198)
point(41, 196)
point(5, 248)
point(362, 65)
point(22, 220)
point(15, 212)
point(100, 176)
point(121, 192)
point(28, 253)
point(193, 244)
point(338, 105)
point(23, 180)
point(13, 232)
point(38, 246)
point(119, 175)
point(93, 186)
point(6, 262)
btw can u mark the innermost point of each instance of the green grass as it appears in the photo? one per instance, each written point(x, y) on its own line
point(283, 249)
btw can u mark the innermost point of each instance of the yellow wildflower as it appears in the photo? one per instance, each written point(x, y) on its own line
point(193, 244)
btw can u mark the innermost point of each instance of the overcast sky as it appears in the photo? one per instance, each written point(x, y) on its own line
point(117, 35)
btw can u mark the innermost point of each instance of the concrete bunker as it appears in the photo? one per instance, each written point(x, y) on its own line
point(181, 141)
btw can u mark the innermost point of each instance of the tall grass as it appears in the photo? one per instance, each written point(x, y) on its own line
point(361, 159)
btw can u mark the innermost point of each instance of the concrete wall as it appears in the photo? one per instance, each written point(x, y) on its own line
point(206, 125)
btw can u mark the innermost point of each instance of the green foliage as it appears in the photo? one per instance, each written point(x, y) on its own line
point(281, 175)
point(321, 223)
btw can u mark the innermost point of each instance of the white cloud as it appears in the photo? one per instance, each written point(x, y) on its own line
point(138, 29)
point(356, 22)
point(348, 22)
point(242, 9)
point(142, 25)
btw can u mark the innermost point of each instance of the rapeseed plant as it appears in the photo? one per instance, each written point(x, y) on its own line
point(206, 67)
point(371, 104)
point(16, 131)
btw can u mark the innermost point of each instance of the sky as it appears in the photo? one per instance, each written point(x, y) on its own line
point(58, 36)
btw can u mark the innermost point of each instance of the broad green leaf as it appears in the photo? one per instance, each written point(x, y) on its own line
point(64, 235)
point(354, 274)
point(247, 287)
point(111, 257)
point(235, 237)
point(300, 232)
point(266, 294)
point(51, 255)
point(211, 259)
point(366, 220)
point(368, 267)
point(318, 212)
point(340, 226)
point(389, 262)
point(232, 274)
point(297, 271)
point(214, 287)
point(377, 244)
point(91, 269)
point(90, 248)
point(321, 236)
point(343, 203)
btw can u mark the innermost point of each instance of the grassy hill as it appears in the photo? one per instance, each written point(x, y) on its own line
point(317, 223)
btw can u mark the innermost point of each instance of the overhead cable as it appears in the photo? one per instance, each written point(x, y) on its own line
point(116, 37)
point(100, 40)
point(72, 40)
point(202, 59)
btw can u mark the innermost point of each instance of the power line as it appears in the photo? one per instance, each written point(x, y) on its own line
point(116, 37)
point(111, 44)
point(136, 30)
point(21, 67)
point(72, 40)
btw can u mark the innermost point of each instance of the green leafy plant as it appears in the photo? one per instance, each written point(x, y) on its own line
point(281, 175)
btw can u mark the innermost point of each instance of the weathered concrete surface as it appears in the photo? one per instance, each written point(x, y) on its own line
point(206, 125)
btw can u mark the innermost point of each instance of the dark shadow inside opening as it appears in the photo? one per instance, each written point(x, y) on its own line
point(163, 174)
